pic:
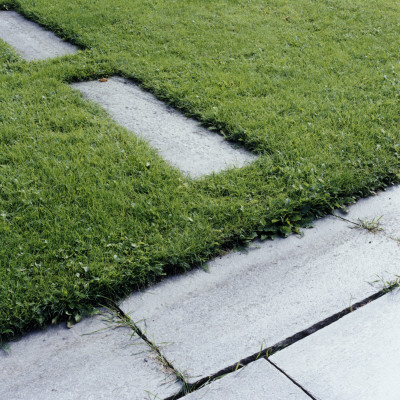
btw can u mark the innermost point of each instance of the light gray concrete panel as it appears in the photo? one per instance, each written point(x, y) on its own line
point(249, 300)
point(356, 357)
point(179, 140)
point(30, 40)
point(385, 207)
point(257, 381)
point(85, 362)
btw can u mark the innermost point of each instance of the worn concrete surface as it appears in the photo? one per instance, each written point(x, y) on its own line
point(179, 140)
point(70, 364)
point(257, 381)
point(246, 301)
point(356, 357)
point(385, 207)
point(30, 40)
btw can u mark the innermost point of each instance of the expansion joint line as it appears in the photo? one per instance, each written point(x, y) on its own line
point(269, 351)
point(292, 380)
point(126, 320)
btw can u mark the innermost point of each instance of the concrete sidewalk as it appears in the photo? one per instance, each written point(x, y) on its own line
point(297, 318)
point(199, 327)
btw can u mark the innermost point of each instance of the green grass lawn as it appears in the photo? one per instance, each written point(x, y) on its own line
point(313, 87)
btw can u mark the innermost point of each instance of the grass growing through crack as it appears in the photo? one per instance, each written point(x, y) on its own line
point(118, 318)
point(387, 285)
point(372, 225)
point(88, 211)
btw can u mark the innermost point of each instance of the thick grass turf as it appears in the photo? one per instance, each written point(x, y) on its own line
point(89, 212)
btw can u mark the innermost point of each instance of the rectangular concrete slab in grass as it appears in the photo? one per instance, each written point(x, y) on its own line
point(30, 40)
point(356, 357)
point(179, 140)
point(87, 362)
point(257, 381)
point(384, 208)
point(249, 301)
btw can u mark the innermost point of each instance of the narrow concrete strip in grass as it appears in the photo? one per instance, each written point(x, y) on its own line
point(249, 301)
point(355, 358)
point(179, 140)
point(30, 40)
point(258, 380)
point(96, 359)
point(380, 213)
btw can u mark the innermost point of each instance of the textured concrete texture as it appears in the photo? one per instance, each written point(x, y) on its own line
point(257, 381)
point(85, 362)
point(179, 140)
point(356, 357)
point(384, 207)
point(251, 300)
point(30, 40)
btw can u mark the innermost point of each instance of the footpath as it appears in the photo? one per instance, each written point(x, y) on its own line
point(312, 316)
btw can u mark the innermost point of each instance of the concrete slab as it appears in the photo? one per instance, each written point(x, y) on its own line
point(354, 358)
point(179, 140)
point(385, 205)
point(252, 300)
point(30, 40)
point(257, 381)
point(63, 364)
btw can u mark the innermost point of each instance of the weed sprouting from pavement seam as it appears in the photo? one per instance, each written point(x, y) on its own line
point(373, 225)
point(388, 285)
point(123, 319)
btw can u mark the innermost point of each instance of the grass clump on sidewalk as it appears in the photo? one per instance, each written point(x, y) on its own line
point(88, 211)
